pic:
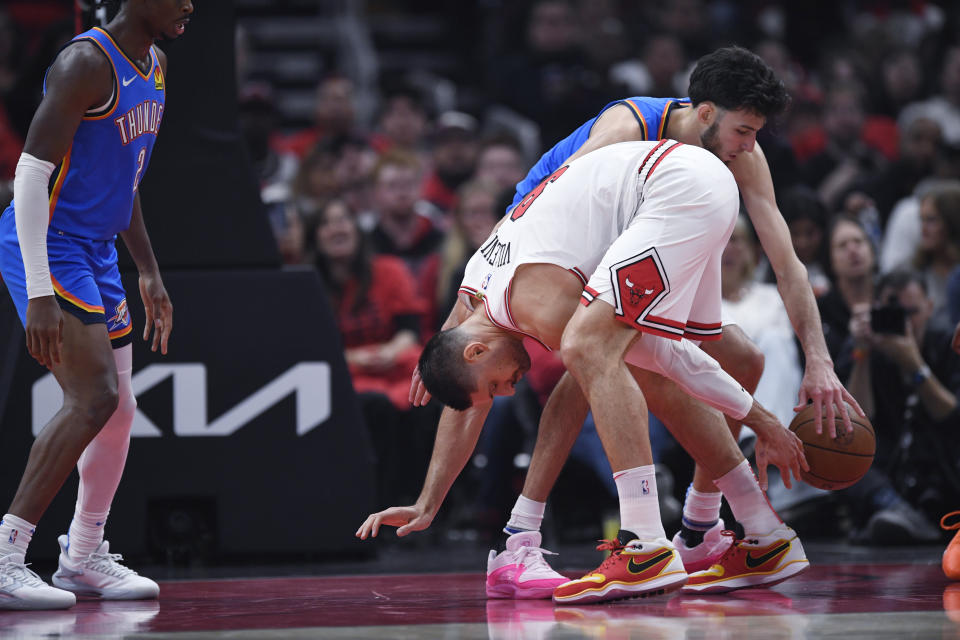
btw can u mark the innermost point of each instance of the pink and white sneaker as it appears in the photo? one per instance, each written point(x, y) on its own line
point(704, 555)
point(521, 572)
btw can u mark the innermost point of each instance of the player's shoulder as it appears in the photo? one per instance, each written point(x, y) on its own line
point(80, 59)
point(81, 74)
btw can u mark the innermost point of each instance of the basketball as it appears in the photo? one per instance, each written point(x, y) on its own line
point(835, 463)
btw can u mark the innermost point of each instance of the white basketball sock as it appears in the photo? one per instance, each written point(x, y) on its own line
point(15, 535)
point(748, 503)
point(527, 515)
point(639, 508)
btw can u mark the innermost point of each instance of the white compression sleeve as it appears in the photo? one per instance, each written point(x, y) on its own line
point(697, 373)
point(32, 198)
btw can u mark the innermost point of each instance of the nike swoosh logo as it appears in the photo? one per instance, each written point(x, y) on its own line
point(753, 563)
point(639, 567)
point(127, 81)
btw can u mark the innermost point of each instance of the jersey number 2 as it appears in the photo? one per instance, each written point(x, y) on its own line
point(524, 204)
point(140, 158)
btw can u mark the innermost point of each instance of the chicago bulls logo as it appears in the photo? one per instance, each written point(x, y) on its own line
point(639, 283)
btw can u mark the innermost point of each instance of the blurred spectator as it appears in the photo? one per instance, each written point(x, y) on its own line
point(919, 141)
point(906, 378)
point(24, 97)
point(403, 122)
point(258, 119)
point(480, 205)
point(756, 308)
point(945, 106)
point(852, 270)
point(899, 83)
point(953, 297)
point(353, 172)
point(847, 156)
point(334, 115)
point(661, 72)
point(453, 159)
point(549, 81)
point(11, 48)
point(901, 236)
point(401, 230)
point(939, 250)
point(500, 161)
point(316, 181)
point(806, 218)
point(378, 313)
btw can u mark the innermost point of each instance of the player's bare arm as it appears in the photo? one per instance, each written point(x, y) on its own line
point(820, 383)
point(616, 124)
point(156, 302)
point(80, 79)
point(457, 435)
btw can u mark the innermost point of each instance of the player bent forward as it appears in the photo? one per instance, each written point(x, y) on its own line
point(649, 220)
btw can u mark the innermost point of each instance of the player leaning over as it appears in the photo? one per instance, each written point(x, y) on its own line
point(732, 92)
point(92, 133)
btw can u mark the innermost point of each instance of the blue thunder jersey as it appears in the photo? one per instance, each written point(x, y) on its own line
point(652, 116)
point(95, 184)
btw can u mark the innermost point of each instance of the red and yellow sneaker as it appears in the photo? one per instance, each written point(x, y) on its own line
point(951, 555)
point(752, 561)
point(635, 569)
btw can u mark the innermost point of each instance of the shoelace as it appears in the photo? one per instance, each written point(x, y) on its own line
point(950, 527)
point(614, 547)
point(532, 557)
point(109, 564)
point(17, 571)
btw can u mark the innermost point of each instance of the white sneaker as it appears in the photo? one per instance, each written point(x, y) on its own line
point(102, 574)
point(520, 571)
point(21, 588)
point(704, 555)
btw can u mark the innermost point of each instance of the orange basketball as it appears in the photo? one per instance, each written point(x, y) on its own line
point(835, 463)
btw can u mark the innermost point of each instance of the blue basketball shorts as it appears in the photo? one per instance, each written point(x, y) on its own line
point(85, 278)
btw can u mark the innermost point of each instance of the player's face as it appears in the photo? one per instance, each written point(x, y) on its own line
point(498, 373)
point(731, 133)
point(169, 18)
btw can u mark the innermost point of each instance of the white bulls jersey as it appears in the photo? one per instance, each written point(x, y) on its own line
point(643, 223)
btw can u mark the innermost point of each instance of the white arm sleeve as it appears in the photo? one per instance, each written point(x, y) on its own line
point(694, 371)
point(32, 198)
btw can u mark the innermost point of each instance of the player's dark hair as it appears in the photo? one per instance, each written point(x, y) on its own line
point(444, 371)
point(734, 78)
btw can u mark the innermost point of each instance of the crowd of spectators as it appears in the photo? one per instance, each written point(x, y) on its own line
point(866, 163)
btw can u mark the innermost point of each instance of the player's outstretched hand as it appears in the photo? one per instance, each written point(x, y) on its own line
point(406, 519)
point(821, 385)
point(419, 396)
point(784, 450)
point(159, 311)
point(44, 329)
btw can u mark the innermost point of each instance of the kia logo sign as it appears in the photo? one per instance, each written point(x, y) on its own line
point(309, 381)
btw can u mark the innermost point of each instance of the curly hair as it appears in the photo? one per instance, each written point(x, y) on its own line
point(444, 371)
point(734, 78)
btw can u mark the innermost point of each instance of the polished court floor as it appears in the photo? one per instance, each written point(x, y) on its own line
point(847, 594)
